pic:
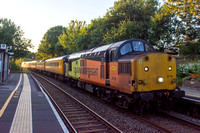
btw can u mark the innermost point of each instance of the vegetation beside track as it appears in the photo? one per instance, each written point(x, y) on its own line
point(188, 70)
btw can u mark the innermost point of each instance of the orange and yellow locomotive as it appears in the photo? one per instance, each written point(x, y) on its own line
point(129, 73)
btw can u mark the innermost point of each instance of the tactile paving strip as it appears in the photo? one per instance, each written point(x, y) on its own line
point(22, 122)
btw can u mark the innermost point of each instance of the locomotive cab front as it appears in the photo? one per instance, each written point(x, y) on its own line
point(144, 73)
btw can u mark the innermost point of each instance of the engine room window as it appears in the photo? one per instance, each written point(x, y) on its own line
point(126, 49)
point(138, 46)
point(124, 68)
point(82, 62)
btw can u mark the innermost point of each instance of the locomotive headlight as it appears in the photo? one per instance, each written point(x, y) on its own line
point(146, 69)
point(170, 68)
point(160, 79)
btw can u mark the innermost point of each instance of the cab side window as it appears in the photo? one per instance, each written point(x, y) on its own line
point(148, 48)
point(138, 46)
point(126, 49)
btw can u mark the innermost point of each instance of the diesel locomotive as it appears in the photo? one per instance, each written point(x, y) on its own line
point(128, 73)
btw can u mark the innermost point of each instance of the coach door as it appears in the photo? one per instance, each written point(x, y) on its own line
point(66, 67)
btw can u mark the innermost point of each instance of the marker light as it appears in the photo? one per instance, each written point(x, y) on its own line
point(146, 69)
point(160, 79)
point(170, 68)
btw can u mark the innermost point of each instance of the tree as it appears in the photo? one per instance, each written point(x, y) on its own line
point(166, 28)
point(72, 38)
point(125, 20)
point(49, 46)
point(96, 30)
point(12, 35)
point(188, 11)
point(130, 19)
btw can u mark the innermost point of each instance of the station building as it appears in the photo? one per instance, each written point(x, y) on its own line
point(4, 63)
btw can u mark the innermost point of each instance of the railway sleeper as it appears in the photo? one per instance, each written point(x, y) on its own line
point(94, 130)
point(93, 125)
point(81, 118)
point(77, 115)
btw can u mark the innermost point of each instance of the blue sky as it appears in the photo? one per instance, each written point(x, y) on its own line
point(35, 17)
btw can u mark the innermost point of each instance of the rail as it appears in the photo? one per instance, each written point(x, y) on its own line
point(78, 116)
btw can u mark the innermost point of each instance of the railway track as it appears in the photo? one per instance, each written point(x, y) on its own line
point(160, 123)
point(77, 116)
point(172, 122)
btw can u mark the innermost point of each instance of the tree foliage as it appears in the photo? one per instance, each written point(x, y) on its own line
point(175, 22)
point(74, 37)
point(188, 11)
point(12, 35)
point(130, 19)
point(166, 28)
point(50, 46)
point(127, 19)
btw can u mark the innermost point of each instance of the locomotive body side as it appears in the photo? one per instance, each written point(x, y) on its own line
point(74, 68)
point(120, 76)
point(93, 71)
point(94, 67)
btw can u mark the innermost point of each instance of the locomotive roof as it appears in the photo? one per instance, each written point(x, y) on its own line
point(117, 44)
point(102, 48)
point(99, 49)
point(108, 46)
point(78, 54)
point(96, 49)
point(112, 45)
point(58, 58)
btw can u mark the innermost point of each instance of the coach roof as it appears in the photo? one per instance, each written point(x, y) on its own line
point(58, 58)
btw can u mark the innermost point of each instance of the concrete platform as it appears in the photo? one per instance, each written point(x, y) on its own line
point(25, 108)
point(192, 93)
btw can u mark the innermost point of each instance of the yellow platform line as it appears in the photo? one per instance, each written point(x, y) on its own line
point(9, 98)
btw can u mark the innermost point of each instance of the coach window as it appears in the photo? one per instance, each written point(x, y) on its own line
point(138, 46)
point(126, 49)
